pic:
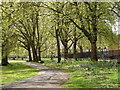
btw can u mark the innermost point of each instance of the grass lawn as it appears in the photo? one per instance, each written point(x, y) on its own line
point(86, 74)
point(16, 71)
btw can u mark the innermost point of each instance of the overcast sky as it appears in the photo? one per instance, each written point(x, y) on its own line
point(116, 28)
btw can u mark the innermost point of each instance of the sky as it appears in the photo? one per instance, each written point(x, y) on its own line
point(116, 29)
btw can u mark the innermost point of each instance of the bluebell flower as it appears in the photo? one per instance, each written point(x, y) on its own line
point(78, 67)
point(70, 61)
point(54, 62)
point(91, 66)
point(87, 65)
point(64, 62)
point(84, 65)
point(95, 65)
point(104, 64)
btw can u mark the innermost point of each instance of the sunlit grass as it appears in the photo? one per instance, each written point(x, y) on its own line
point(86, 74)
point(16, 71)
point(18, 61)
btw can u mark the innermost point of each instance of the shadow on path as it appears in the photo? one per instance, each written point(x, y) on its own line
point(46, 78)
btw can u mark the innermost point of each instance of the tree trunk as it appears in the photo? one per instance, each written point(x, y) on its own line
point(39, 54)
point(29, 52)
point(33, 42)
point(4, 61)
point(75, 52)
point(93, 51)
point(81, 49)
point(38, 42)
point(36, 60)
point(34, 53)
point(74, 46)
point(65, 52)
point(58, 46)
point(94, 34)
point(88, 50)
point(51, 56)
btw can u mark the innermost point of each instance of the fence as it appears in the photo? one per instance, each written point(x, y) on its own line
point(114, 54)
point(14, 57)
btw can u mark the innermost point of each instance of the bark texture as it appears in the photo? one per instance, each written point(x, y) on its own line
point(29, 52)
point(93, 51)
point(58, 46)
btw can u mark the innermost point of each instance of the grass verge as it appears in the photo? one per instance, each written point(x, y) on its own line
point(16, 71)
point(86, 74)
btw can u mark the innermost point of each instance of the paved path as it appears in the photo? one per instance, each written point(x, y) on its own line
point(46, 78)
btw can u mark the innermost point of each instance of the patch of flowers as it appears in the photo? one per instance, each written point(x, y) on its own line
point(95, 65)
point(105, 64)
point(79, 60)
point(84, 65)
point(54, 62)
point(78, 67)
point(70, 61)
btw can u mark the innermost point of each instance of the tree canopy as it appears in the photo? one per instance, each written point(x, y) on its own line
point(34, 25)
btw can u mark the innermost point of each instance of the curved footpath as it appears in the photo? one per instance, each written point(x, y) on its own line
point(46, 78)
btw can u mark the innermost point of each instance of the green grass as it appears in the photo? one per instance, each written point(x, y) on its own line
point(93, 75)
point(16, 71)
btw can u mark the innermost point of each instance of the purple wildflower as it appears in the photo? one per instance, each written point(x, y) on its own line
point(95, 65)
point(84, 65)
point(78, 67)
point(54, 62)
point(104, 64)
point(91, 66)
point(70, 61)
point(64, 62)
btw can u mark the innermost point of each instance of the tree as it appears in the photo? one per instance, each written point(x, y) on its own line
point(31, 31)
point(65, 37)
point(90, 20)
point(8, 37)
point(56, 26)
point(87, 18)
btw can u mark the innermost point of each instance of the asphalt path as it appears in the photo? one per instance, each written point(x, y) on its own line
point(46, 78)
